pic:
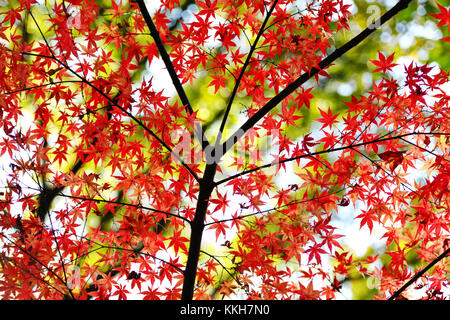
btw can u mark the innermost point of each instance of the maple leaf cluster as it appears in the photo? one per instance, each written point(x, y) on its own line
point(97, 202)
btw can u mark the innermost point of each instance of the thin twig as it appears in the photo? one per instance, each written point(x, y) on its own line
point(292, 203)
point(223, 267)
point(241, 75)
point(42, 85)
point(170, 68)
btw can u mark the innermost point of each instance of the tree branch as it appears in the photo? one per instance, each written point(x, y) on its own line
point(126, 204)
point(223, 267)
point(42, 85)
point(111, 100)
point(25, 251)
point(291, 203)
point(250, 123)
point(197, 227)
point(325, 151)
point(141, 253)
point(241, 75)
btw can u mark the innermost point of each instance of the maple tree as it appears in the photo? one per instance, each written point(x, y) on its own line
point(111, 185)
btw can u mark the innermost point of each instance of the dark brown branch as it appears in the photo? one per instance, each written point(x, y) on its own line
point(170, 68)
point(250, 123)
point(165, 56)
point(241, 75)
point(419, 274)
